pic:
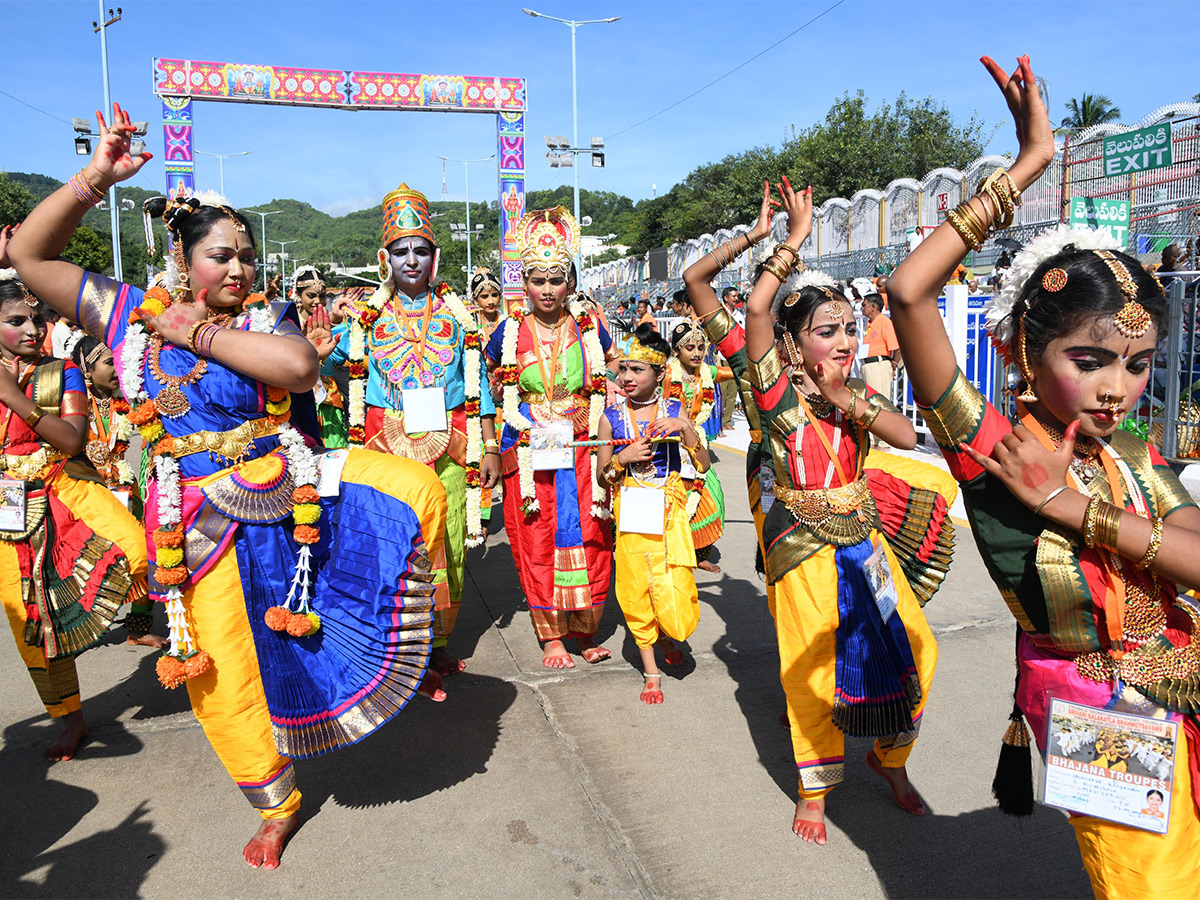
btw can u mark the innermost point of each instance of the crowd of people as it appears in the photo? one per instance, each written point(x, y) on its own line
point(297, 481)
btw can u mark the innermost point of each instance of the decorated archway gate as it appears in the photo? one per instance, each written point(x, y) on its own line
point(179, 82)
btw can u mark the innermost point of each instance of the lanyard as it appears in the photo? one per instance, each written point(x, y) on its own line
point(22, 381)
point(548, 381)
point(816, 425)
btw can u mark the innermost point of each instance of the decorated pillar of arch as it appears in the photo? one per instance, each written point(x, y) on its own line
point(177, 140)
point(510, 155)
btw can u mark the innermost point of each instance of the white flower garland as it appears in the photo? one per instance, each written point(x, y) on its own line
point(170, 495)
point(133, 362)
point(998, 310)
point(679, 377)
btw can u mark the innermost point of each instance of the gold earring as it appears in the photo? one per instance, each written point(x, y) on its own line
point(1029, 395)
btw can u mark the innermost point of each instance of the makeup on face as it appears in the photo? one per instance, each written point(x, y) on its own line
point(829, 338)
point(412, 261)
point(22, 330)
point(637, 380)
point(223, 263)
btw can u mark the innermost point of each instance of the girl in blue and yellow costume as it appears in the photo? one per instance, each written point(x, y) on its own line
point(413, 351)
point(298, 585)
point(76, 555)
point(655, 585)
point(848, 664)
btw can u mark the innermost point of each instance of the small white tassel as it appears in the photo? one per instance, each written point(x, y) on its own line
point(300, 581)
point(177, 630)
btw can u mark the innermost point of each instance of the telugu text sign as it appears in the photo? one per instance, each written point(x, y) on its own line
point(1138, 151)
point(1097, 214)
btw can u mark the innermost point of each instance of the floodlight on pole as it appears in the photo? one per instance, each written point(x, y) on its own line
point(467, 196)
point(574, 25)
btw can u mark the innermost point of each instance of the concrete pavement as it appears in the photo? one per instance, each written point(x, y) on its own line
point(531, 784)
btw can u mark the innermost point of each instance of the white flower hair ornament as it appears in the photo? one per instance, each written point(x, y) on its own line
point(8, 275)
point(797, 282)
point(1001, 324)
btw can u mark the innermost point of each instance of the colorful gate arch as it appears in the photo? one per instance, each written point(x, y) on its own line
point(179, 82)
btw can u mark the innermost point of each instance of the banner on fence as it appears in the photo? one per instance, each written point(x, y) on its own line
point(1101, 215)
point(1138, 151)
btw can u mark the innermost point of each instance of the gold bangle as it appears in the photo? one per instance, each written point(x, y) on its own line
point(982, 228)
point(1013, 191)
point(853, 404)
point(34, 416)
point(1108, 526)
point(790, 249)
point(1089, 520)
point(1156, 534)
point(869, 417)
point(964, 230)
point(191, 336)
point(776, 267)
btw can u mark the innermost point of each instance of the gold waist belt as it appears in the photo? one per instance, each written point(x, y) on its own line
point(842, 515)
point(29, 466)
point(1148, 664)
point(231, 444)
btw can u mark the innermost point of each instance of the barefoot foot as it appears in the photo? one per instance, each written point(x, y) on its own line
point(709, 567)
point(431, 686)
point(74, 729)
point(146, 640)
point(906, 795)
point(267, 844)
point(445, 664)
point(591, 651)
point(555, 656)
point(809, 823)
point(672, 655)
point(652, 688)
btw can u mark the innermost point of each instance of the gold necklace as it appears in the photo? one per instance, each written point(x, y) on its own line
point(171, 400)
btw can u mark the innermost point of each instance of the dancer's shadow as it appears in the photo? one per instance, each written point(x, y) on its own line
point(491, 589)
point(41, 811)
point(428, 747)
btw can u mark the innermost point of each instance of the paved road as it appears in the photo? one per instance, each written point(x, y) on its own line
point(528, 784)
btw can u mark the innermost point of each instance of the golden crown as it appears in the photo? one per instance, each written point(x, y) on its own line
point(639, 352)
point(406, 214)
point(548, 239)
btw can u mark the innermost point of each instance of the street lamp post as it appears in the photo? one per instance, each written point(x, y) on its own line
point(101, 26)
point(263, 216)
point(221, 157)
point(282, 265)
point(574, 26)
point(467, 177)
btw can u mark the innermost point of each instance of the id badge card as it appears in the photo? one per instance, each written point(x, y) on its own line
point(687, 469)
point(883, 586)
point(330, 465)
point(643, 510)
point(123, 495)
point(12, 504)
point(1112, 765)
point(766, 487)
point(424, 410)
point(549, 446)
point(320, 394)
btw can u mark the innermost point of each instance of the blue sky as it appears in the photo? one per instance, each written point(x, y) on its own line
point(658, 53)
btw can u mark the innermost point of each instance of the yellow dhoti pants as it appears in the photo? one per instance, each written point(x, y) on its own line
point(806, 621)
point(1127, 863)
point(56, 680)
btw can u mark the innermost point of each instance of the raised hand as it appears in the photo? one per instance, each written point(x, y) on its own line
point(319, 332)
point(6, 234)
point(343, 307)
point(112, 162)
point(177, 320)
point(274, 288)
point(798, 206)
point(1034, 133)
point(1025, 467)
point(762, 228)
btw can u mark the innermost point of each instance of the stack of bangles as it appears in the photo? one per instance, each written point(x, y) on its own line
point(780, 267)
point(726, 254)
point(85, 192)
point(201, 336)
point(869, 417)
point(491, 447)
point(1102, 522)
point(1000, 198)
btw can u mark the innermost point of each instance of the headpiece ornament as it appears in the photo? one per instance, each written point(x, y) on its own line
point(483, 279)
point(800, 280)
point(1001, 324)
point(639, 352)
point(406, 214)
point(175, 210)
point(548, 239)
point(11, 275)
point(305, 277)
point(688, 330)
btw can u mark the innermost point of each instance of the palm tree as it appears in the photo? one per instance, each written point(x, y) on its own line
point(1089, 110)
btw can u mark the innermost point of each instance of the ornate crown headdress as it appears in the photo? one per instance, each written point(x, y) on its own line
point(406, 214)
point(689, 330)
point(791, 288)
point(548, 239)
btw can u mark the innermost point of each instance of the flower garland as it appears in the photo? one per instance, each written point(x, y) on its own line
point(708, 394)
point(183, 659)
point(594, 388)
point(357, 366)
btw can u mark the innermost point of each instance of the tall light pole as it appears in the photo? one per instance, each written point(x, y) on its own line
point(263, 215)
point(467, 176)
point(222, 157)
point(282, 264)
point(101, 27)
point(574, 26)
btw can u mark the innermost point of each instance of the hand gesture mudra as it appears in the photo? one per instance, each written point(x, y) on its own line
point(319, 332)
point(762, 228)
point(1034, 133)
point(799, 209)
point(274, 288)
point(112, 162)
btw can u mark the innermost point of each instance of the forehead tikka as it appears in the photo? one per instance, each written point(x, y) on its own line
point(1132, 320)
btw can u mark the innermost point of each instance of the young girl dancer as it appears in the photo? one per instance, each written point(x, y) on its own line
point(70, 553)
point(848, 663)
point(692, 382)
point(109, 431)
point(1083, 527)
point(655, 585)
